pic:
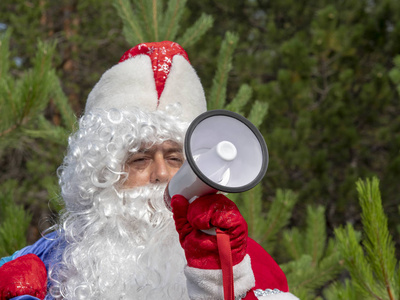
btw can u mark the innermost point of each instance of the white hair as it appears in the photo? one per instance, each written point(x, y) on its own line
point(98, 150)
point(120, 244)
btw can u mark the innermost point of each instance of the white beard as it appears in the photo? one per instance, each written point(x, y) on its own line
point(129, 249)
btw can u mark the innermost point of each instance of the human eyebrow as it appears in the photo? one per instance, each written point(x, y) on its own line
point(174, 150)
point(146, 150)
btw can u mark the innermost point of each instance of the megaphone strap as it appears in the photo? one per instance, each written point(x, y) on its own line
point(225, 256)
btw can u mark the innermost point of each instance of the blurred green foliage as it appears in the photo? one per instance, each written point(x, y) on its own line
point(321, 79)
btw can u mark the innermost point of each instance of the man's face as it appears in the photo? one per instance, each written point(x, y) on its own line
point(157, 164)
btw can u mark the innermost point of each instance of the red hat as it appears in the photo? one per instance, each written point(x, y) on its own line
point(150, 76)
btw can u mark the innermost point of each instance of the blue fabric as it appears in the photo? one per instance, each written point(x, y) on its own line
point(7, 258)
point(46, 249)
point(25, 297)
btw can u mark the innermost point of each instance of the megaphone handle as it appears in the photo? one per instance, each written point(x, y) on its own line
point(211, 231)
point(225, 256)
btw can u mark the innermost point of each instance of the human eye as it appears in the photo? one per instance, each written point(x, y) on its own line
point(175, 159)
point(138, 161)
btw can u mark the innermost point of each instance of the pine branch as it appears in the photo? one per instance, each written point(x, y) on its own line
point(258, 113)
point(314, 279)
point(305, 276)
point(171, 19)
point(132, 30)
point(242, 97)
point(316, 233)
point(35, 84)
point(251, 209)
point(378, 243)
point(14, 127)
point(279, 213)
point(31, 93)
point(4, 54)
point(14, 221)
point(155, 20)
point(145, 15)
point(343, 291)
point(196, 31)
point(296, 271)
point(356, 262)
point(6, 87)
point(46, 130)
point(293, 242)
point(8, 109)
point(217, 97)
point(62, 104)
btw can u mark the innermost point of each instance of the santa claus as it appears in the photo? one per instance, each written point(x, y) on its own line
point(116, 239)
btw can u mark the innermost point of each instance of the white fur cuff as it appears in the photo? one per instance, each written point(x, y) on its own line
point(280, 296)
point(207, 284)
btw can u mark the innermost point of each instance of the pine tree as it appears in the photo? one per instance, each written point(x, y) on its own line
point(86, 33)
point(24, 129)
point(86, 36)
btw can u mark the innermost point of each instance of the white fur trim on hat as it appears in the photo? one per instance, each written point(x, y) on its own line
point(127, 84)
point(131, 83)
point(280, 296)
point(183, 86)
point(207, 284)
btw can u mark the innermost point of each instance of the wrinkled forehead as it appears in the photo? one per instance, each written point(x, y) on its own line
point(167, 145)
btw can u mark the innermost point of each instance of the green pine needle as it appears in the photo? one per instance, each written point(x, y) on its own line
point(258, 113)
point(217, 97)
point(251, 209)
point(46, 130)
point(356, 262)
point(315, 233)
point(4, 54)
point(152, 14)
point(196, 31)
point(132, 29)
point(62, 104)
point(278, 214)
point(378, 242)
point(241, 99)
point(14, 220)
point(144, 16)
point(293, 243)
point(172, 18)
point(311, 277)
point(343, 291)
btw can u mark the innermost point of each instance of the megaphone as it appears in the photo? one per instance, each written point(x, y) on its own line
point(224, 152)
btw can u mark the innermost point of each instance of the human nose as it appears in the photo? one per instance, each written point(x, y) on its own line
point(160, 172)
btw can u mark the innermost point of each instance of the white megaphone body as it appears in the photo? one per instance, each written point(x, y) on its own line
point(224, 152)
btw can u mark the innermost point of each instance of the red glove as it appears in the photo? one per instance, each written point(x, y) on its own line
point(206, 212)
point(25, 275)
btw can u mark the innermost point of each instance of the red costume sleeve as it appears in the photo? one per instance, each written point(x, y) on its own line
point(267, 272)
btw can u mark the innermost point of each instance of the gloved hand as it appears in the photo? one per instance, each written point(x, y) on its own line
point(25, 275)
point(206, 212)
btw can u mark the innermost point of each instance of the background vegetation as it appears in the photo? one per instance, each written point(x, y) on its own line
point(321, 79)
